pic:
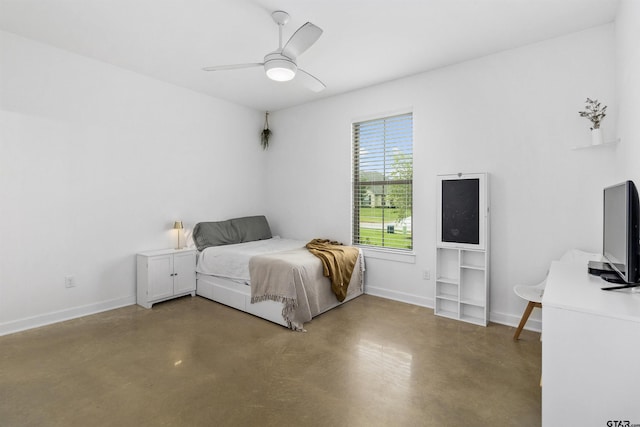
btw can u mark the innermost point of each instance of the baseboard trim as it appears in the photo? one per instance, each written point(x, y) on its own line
point(86, 310)
point(495, 317)
point(62, 315)
point(399, 296)
point(513, 320)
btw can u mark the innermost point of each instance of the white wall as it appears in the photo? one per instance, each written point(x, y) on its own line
point(96, 163)
point(91, 173)
point(628, 86)
point(512, 114)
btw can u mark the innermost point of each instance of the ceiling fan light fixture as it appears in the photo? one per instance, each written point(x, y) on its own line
point(280, 70)
point(280, 64)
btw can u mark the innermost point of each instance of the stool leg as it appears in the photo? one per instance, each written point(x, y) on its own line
point(525, 317)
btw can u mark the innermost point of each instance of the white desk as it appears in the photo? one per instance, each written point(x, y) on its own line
point(590, 350)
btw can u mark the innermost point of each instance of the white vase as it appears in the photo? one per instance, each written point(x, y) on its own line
point(596, 137)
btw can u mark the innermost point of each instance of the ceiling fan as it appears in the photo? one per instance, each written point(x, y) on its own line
point(280, 65)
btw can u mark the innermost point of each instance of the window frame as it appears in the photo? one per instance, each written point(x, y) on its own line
point(373, 250)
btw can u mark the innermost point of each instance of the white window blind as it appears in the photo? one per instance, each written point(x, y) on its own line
point(383, 182)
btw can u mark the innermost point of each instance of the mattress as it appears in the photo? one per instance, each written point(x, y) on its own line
point(232, 261)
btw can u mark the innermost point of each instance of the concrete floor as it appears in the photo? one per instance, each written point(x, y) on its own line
point(193, 362)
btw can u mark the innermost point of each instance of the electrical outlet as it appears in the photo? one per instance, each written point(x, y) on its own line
point(426, 275)
point(70, 281)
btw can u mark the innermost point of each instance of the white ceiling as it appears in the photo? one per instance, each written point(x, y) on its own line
point(365, 42)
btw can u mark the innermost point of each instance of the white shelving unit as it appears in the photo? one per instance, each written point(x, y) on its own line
point(462, 290)
point(462, 268)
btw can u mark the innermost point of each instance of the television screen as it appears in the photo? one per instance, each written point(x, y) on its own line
point(620, 243)
point(615, 227)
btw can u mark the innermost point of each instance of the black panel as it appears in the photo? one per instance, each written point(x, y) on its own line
point(461, 211)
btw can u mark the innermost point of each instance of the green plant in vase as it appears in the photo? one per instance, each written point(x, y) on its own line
point(595, 112)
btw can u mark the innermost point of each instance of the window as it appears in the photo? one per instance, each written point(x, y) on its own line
point(383, 182)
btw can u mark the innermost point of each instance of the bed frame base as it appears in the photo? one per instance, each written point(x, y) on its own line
point(238, 296)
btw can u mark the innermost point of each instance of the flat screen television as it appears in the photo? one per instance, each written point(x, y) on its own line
point(621, 237)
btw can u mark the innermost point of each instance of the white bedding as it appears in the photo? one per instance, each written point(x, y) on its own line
point(232, 261)
point(223, 276)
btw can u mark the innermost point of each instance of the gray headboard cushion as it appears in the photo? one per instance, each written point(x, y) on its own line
point(252, 228)
point(218, 233)
point(236, 230)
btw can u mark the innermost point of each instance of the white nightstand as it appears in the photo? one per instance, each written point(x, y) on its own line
point(165, 274)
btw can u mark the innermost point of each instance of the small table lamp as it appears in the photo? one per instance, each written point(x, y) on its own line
point(178, 226)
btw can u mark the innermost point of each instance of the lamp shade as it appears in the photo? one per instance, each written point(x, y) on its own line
point(178, 225)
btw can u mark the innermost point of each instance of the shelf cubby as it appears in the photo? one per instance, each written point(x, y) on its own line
point(462, 248)
point(462, 291)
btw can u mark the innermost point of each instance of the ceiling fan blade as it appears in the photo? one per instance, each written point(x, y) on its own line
point(310, 81)
point(301, 40)
point(233, 67)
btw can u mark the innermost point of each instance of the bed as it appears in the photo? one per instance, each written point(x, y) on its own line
point(288, 287)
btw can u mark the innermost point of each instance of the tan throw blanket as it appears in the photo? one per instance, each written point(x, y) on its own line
point(338, 262)
point(273, 278)
point(296, 279)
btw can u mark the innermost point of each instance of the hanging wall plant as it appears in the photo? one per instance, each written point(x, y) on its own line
point(266, 132)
